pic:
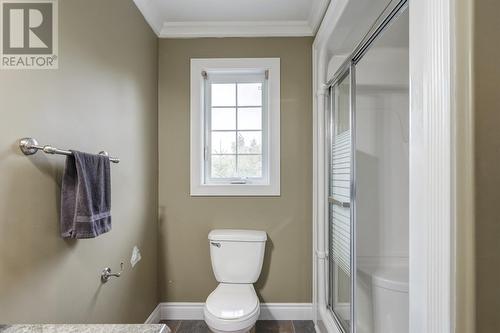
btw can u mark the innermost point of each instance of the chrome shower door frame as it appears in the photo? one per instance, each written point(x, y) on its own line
point(348, 71)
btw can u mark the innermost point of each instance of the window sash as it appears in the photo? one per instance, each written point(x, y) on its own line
point(236, 78)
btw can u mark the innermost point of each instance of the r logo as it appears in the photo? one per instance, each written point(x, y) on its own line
point(29, 34)
point(27, 28)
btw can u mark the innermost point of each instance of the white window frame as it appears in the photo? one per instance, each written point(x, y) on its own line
point(269, 185)
point(239, 77)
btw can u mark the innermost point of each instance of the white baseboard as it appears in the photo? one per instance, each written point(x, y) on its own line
point(181, 311)
point(194, 311)
point(154, 317)
point(286, 311)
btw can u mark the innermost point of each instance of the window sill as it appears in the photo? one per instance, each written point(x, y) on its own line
point(237, 190)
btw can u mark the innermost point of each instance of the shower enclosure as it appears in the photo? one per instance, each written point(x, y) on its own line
point(368, 190)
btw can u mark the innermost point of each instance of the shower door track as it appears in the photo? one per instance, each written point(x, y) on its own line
point(391, 12)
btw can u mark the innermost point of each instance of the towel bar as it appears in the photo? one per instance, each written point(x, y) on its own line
point(30, 146)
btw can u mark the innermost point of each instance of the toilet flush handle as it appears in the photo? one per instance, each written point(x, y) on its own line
point(215, 244)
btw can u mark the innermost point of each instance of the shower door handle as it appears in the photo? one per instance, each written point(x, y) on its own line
point(336, 202)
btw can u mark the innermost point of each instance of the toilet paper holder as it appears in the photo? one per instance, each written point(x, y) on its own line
point(106, 273)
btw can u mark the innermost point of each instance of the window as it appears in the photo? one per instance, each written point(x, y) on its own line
point(235, 127)
point(234, 113)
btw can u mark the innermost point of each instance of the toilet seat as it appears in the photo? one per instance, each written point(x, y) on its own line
point(392, 278)
point(232, 308)
point(231, 301)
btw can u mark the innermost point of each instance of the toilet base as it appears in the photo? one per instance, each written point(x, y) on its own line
point(242, 325)
point(213, 330)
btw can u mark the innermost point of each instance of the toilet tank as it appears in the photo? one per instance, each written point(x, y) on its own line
point(237, 255)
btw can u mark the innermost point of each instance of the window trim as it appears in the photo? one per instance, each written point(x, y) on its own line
point(271, 185)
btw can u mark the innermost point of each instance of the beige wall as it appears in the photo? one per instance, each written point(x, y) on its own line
point(185, 270)
point(464, 265)
point(487, 118)
point(104, 96)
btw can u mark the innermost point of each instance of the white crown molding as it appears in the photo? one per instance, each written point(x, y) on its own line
point(198, 29)
point(236, 29)
point(318, 10)
point(148, 10)
point(194, 311)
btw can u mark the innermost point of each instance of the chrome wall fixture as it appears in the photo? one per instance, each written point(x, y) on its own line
point(30, 146)
point(106, 273)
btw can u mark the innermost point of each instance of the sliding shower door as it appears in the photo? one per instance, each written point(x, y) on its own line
point(368, 167)
point(382, 181)
point(339, 201)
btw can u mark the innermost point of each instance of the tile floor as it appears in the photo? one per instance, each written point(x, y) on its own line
point(262, 326)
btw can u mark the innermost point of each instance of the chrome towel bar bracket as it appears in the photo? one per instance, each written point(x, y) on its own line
point(30, 146)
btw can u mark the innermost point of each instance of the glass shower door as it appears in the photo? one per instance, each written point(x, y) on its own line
point(382, 181)
point(339, 202)
point(368, 133)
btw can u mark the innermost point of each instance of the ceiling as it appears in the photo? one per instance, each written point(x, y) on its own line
point(233, 18)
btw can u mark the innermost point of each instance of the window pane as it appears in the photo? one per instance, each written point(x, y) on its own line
point(223, 166)
point(223, 142)
point(223, 119)
point(223, 94)
point(250, 118)
point(249, 94)
point(250, 142)
point(250, 166)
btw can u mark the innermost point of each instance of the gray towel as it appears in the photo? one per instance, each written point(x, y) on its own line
point(85, 196)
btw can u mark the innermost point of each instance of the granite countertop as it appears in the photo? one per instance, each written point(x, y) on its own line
point(94, 328)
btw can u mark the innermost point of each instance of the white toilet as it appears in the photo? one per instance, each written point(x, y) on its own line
point(237, 257)
point(390, 300)
point(382, 295)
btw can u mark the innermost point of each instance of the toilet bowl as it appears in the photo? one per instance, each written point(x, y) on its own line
point(237, 257)
point(387, 297)
point(390, 300)
point(232, 308)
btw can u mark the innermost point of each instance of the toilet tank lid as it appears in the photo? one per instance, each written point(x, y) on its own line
point(237, 235)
